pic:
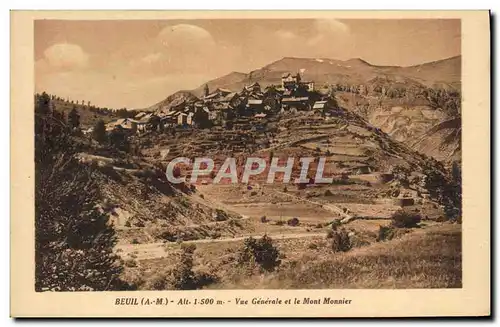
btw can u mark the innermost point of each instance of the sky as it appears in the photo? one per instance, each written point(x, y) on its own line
point(136, 63)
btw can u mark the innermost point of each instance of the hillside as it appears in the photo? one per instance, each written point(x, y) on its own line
point(172, 101)
point(367, 189)
point(145, 207)
point(233, 81)
point(405, 111)
point(443, 141)
point(88, 115)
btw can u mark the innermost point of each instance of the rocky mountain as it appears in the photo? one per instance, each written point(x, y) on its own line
point(442, 141)
point(404, 109)
point(443, 73)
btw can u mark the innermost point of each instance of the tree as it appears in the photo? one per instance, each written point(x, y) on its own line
point(74, 118)
point(261, 251)
point(206, 90)
point(73, 240)
point(119, 139)
point(201, 118)
point(99, 132)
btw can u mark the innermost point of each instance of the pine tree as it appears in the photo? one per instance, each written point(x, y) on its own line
point(99, 132)
point(74, 118)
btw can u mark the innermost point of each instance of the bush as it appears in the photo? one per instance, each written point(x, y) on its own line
point(131, 263)
point(263, 219)
point(135, 241)
point(127, 224)
point(405, 219)
point(221, 215)
point(183, 275)
point(385, 233)
point(261, 251)
point(340, 241)
point(293, 222)
point(328, 193)
point(253, 193)
point(313, 246)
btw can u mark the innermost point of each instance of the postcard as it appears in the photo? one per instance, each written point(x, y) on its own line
point(250, 163)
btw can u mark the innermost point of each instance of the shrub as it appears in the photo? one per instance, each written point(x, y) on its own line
point(130, 263)
point(221, 215)
point(340, 241)
point(182, 274)
point(263, 219)
point(261, 251)
point(405, 219)
point(127, 224)
point(313, 246)
point(135, 241)
point(158, 282)
point(328, 193)
point(293, 222)
point(385, 233)
point(253, 193)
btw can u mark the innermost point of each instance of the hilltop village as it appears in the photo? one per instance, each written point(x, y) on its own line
point(220, 107)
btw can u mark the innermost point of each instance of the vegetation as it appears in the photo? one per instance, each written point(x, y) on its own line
point(405, 219)
point(339, 239)
point(99, 132)
point(421, 260)
point(261, 251)
point(74, 118)
point(445, 188)
point(73, 240)
point(182, 276)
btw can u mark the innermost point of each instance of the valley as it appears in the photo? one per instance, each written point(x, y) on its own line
point(378, 205)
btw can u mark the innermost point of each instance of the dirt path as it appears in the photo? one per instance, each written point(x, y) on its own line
point(160, 250)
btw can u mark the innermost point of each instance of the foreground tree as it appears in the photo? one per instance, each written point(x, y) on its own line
point(73, 240)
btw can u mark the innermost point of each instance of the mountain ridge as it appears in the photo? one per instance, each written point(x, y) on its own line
point(442, 73)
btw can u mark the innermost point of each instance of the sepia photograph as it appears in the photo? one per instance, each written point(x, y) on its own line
point(227, 153)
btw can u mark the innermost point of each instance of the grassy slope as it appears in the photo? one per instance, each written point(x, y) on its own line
point(87, 117)
point(423, 259)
